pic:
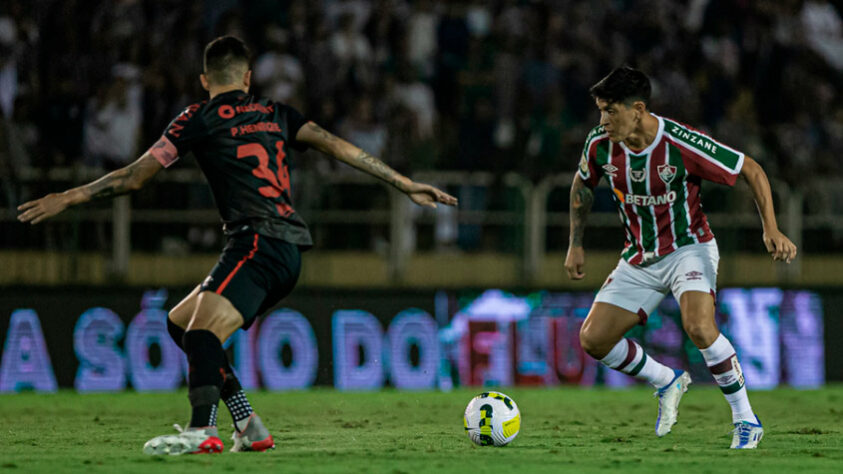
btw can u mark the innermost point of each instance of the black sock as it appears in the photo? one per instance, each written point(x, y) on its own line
point(176, 333)
point(235, 399)
point(207, 363)
point(231, 393)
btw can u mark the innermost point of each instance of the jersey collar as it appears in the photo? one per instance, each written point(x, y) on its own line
point(650, 148)
point(234, 93)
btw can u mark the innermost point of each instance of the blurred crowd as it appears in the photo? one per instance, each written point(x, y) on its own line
point(468, 85)
point(426, 85)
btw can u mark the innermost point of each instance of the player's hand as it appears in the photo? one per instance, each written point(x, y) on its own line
point(426, 195)
point(40, 209)
point(575, 263)
point(779, 246)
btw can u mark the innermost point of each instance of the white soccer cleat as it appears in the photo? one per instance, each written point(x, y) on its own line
point(188, 441)
point(747, 435)
point(254, 437)
point(669, 397)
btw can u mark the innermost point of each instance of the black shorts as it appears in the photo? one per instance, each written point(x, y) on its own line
point(254, 273)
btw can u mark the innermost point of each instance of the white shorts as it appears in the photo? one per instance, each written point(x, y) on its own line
point(640, 289)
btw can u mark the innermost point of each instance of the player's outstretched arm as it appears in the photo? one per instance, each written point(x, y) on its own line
point(330, 144)
point(779, 246)
point(125, 180)
point(581, 198)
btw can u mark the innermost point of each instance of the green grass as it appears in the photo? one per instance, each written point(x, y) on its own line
point(563, 430)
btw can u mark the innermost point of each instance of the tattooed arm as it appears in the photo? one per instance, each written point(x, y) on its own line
point(332, 145)
point(581, 199)
point(125, 180)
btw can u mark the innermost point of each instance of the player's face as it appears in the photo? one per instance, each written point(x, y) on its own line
point(618, 119)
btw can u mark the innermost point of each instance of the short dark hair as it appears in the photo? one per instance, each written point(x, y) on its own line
point(624, 84)
point(225, 57)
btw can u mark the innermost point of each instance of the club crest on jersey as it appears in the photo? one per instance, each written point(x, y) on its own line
point(637, 175)
point(610, 169)
point(667, 173)
point(584, 164)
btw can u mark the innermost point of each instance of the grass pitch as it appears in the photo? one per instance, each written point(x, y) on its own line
point(563, 430)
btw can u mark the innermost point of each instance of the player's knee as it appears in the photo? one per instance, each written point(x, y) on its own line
point(702, 333)
point(173, 317)
point(179, 316)
point(222, 324)
point(590, 342)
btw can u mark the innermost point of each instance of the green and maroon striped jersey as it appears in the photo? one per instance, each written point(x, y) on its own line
point(657, 189)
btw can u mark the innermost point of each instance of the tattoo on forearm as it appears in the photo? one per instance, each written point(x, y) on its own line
point(113, 184)
point(376, 167)
point(581, 199)
point(339, 148)
point(323, 134)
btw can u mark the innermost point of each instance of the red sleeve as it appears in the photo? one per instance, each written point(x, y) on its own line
point(180, 136)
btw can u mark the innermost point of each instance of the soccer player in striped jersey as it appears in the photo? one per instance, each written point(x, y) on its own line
point(654, 166)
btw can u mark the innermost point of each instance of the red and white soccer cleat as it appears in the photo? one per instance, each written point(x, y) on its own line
point(188, 441)
point(255, 437)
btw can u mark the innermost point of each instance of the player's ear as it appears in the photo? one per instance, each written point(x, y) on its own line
point(247, 78)
point(204, 81)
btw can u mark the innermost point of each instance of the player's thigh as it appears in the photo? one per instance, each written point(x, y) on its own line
point(604, 327)
point(215, 313)
point(254, 273)
point(181, 313)
point(637, 290)
point(284, 259)
point(693, 268)
point(239, 275)
point(693, 277)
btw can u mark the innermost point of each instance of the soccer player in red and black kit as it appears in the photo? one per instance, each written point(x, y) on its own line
point(241, 143)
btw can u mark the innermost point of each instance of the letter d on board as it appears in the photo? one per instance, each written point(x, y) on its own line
point(355, 332)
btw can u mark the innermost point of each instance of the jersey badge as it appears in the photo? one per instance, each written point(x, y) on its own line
point(667, 173)
point(584, 164)
point(610, 169)
point(637, 175)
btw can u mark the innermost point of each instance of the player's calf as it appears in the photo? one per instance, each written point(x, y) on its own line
point(722, 362)
point(207, 363)
point(232, 393)
point(628, 356)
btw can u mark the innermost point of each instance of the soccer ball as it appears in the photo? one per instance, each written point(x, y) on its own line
point(492, 419)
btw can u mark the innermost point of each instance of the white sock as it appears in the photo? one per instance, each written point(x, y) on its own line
point(628, 357)
point(722, 361)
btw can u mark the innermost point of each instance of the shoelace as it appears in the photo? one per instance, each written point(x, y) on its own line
point(743, 431)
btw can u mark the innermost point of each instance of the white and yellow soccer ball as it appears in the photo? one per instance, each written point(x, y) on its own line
point(492, 419)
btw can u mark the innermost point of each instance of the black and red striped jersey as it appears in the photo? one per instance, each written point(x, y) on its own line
point(242, 145)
